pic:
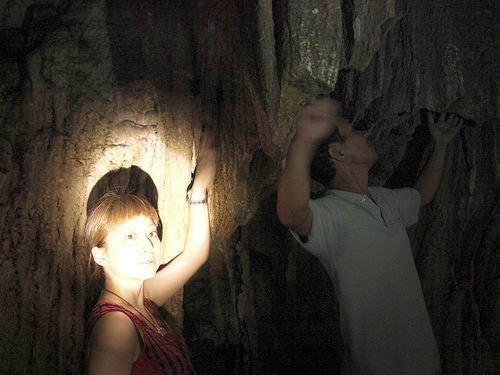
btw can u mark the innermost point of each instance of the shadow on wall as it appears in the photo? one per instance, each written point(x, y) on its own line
point(127, 180)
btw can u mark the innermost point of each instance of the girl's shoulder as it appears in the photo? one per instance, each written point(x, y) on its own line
point(113, 338)
point(104, 313)
point(115, 321)
point(103, 307)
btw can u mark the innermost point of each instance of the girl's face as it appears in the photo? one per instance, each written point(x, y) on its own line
point(132, 251)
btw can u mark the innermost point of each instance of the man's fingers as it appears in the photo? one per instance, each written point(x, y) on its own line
point(442, 117)
point(454, 120)
point(457, 121)
point(430, 117)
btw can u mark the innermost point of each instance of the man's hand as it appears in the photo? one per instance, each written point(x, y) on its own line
point(442, 132)
point(317, 119)
point(446, 127)
point(316, 122)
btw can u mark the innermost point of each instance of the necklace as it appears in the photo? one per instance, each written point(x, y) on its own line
point(160, 330)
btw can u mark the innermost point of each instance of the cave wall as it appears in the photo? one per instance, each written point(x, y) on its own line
point(95, 94)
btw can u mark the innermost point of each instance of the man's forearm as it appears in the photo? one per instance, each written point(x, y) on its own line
point(442, 132)
point(294, 187)
point(429, 179)
point(316, 122)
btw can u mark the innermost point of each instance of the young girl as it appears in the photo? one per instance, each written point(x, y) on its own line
point(126, 334)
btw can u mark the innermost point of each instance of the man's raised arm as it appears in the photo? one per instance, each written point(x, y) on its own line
point(316, 122)
point(442, 132)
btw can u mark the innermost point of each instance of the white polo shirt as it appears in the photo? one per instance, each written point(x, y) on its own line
point(364, 247)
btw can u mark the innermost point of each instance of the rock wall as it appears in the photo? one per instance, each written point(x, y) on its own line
point(96, 94)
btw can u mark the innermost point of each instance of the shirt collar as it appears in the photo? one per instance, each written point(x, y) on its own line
point(350, 196)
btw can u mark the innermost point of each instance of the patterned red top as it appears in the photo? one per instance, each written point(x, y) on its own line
point(160, 355)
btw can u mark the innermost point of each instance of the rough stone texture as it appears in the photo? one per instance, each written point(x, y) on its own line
point(96, 94)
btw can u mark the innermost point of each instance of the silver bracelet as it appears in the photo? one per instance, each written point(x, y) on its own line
point(202, 201)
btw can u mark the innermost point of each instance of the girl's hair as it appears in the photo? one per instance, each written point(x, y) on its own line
point(110, 211)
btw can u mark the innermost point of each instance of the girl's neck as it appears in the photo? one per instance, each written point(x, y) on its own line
point(133, 295)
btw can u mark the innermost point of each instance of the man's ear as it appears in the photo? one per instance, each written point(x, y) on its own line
point(99, 254)
point(335, 151)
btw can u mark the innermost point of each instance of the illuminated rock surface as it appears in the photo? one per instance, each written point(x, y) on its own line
point(95, 94)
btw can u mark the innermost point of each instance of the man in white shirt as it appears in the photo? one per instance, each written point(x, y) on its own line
point(358, 233)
